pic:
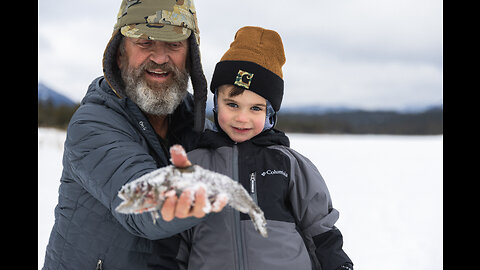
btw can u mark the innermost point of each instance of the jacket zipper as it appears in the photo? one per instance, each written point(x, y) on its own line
point(99, 264)
point(236, 217)
point(253, 186)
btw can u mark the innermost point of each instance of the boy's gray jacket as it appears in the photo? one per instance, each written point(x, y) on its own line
point(109, 143)
point(294, 198)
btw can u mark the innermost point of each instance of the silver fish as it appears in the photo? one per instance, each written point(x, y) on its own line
point(149, 192)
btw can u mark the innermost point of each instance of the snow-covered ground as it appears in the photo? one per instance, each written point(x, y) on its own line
point(388, 190)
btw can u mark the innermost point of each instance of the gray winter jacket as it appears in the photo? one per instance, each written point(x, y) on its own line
point(109, 143)
point(294, 198)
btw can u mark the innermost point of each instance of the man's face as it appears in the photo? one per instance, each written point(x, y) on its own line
point(154, 73)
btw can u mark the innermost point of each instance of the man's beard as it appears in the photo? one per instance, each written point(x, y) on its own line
point(155, 98)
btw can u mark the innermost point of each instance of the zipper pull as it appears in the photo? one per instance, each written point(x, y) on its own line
point(253, 186)
point(99, 265)
point(252, 182)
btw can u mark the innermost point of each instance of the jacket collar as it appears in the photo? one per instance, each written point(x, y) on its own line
point(215, 139)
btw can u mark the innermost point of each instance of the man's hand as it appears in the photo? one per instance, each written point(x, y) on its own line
point(182, 207)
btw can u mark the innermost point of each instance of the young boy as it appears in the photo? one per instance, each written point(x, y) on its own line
point(248, 90)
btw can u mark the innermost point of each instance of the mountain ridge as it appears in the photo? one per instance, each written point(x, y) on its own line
point(47, 94)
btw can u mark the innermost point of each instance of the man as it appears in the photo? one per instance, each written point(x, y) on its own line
point(122, 130)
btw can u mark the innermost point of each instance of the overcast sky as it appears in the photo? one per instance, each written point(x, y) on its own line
point(372, 54)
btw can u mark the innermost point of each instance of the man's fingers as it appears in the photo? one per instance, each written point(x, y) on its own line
point(182, 207)
point(220, 201)
point(168, 208)
point(200, 202)
point(184, 204)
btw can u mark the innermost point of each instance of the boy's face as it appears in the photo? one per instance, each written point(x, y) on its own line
point(243, 116)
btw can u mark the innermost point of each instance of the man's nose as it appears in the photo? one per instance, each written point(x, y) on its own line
point(159, 53)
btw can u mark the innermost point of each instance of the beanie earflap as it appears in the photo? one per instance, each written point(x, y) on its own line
point(111, 71)
point(199, 84)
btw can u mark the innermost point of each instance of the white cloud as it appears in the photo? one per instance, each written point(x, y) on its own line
point(367, 53)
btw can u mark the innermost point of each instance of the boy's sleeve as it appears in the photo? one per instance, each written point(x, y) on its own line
point(314, 214)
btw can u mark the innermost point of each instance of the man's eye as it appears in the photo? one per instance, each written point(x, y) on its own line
point(174, 45)
point(144, 43)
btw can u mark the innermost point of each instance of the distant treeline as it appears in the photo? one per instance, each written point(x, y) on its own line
point(50, 115)
point(429, 122)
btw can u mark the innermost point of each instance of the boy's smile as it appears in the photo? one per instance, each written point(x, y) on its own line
point(243, 116)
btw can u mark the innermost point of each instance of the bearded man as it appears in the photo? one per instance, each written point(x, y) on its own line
point(123, 129)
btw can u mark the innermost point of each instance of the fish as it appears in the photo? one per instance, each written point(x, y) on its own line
point(149, 192)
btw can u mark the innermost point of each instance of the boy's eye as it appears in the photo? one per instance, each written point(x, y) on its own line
point(256, 108)
point(233, 105)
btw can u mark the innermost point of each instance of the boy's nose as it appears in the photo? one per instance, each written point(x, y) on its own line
point(241, 117)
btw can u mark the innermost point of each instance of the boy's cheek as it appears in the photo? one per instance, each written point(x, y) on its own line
point(222, 120)
point(259, 124)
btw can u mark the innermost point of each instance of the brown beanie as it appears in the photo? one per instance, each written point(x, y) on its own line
point(254, 62)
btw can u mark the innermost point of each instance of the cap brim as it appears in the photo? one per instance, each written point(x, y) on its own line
point(163, 32)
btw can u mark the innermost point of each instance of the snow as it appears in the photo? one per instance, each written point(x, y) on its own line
point(50, 151)
point(388, 190)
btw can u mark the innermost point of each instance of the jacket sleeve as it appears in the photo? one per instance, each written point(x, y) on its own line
point(314, 213)
point(103, 152)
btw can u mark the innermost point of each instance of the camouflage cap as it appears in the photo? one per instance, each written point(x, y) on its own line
point(165, 20)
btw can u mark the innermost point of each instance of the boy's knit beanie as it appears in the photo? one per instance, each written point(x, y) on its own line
point(254, 61)
point(165, 20)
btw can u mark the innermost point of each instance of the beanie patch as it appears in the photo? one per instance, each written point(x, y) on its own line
point(250, 76)
point(239, 81)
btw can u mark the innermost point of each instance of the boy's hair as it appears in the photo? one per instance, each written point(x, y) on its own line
point(234, 90)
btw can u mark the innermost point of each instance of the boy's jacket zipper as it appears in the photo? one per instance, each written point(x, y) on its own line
point(238, 237)
point(99, 264)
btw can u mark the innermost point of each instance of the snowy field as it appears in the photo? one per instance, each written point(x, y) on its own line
point(388, 190)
